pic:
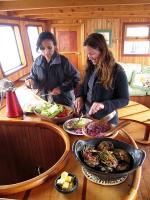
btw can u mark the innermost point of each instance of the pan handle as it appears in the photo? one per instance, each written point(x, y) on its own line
point(77, 146)
point(142, 156)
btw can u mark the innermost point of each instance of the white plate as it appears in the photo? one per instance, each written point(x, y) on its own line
point(74, 119)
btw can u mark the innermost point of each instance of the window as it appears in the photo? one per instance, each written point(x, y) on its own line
point(33, 33)
point(136, 39)
point(10, 58)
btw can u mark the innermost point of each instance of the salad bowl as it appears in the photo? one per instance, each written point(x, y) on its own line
point(55, 113)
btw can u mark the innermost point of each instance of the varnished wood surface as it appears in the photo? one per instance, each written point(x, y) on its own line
point(29, 154)
point(144, 100)
point(24, 149)
point(85, 188)
point(142, 194)
point(144, 189)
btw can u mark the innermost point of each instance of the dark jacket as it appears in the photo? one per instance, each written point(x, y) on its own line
point(112, 98)
point(59, 72)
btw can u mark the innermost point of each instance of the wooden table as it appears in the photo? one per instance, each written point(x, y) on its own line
point(137, 113)
point(133, 111)
point(86, 190)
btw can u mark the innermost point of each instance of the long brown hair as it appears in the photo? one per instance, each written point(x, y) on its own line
point(106, 62)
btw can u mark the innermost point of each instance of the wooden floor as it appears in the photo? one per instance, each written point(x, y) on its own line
point(144, 189)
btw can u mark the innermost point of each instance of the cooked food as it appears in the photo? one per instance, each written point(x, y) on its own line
point(122, 167)
point(122, 155)
point(96, 129)
point(90, 157)
point(52, 110)
point(76, 125)
point(106, 158)
point(105, 146)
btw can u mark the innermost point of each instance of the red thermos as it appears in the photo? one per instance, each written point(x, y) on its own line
point(13, 108)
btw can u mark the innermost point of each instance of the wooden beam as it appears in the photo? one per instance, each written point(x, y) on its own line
point(3, 13)
point(90, 15)
point(78, 9)
point(32, 4)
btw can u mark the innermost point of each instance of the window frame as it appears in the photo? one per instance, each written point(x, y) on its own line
point(40, 29)
point(133, 38)
point(20, 48)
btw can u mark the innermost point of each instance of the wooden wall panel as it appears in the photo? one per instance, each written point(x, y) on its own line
point(26, 46)
point(116, 25)
point(88, 26)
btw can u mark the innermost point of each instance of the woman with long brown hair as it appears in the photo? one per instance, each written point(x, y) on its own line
point(105, 86)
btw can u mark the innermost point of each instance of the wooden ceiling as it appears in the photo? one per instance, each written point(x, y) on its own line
point(74, 9)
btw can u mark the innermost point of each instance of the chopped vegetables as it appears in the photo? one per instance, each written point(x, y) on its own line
point(96, 129)
point(75, 124)
point(66, 181)
point(51, 110)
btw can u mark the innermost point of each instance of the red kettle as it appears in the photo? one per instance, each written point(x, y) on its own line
point(13, 108)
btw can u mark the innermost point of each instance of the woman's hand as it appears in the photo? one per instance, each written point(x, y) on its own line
point(55, 91)
point(96, 106)
point(79, 104)
point(29, 83)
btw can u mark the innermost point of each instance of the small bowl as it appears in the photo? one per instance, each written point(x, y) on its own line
point(59, 189)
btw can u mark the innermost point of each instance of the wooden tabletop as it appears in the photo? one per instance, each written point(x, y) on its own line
point(86, 189)
point(133, 111)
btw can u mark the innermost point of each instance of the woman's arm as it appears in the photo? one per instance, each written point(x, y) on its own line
point(121, 93)
point(72, 76)
point(120, 97)
point(35, 74)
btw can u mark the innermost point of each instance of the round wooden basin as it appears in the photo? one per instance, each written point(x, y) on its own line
point(30, 152)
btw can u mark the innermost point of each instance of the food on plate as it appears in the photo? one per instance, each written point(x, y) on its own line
point(66, 181)
point(97, 129)
point(52, 110)
point(106, 158)
point(76, 125)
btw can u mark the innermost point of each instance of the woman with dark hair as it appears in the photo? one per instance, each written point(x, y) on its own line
point(105, 86)
point(52, 73)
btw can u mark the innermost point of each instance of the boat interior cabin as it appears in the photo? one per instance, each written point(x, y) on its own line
point(75, 99)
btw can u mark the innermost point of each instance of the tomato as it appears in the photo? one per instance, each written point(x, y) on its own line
point(64, 113)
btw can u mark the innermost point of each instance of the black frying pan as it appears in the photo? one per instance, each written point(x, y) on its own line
point(138, 157)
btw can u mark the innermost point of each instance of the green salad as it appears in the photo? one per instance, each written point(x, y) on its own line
point(50, 110)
